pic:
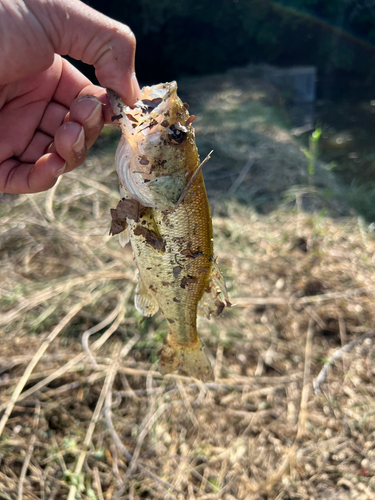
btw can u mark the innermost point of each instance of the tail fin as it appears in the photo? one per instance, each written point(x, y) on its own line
point(187, 360)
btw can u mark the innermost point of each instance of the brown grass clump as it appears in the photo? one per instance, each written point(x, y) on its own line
point(84, 412)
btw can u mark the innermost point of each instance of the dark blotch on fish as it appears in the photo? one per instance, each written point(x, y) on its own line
point(118, 224)
point(179, 240)
point(152, 123)
point(186, 281)
point(143, 160)
point(219, 306)
point(151, 238)
point(128, 208)
point(131, 118)
point(176, 271)
point(116, 117)
point(188, 253)
point(152, 103)
point(149, 104)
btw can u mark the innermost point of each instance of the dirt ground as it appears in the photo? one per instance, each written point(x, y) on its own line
point(84, 413)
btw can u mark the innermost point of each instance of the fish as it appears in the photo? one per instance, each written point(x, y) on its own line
point(165, 215)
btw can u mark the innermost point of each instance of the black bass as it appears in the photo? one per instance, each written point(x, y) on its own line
point(164, 213)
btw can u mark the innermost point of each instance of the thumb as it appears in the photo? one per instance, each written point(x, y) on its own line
point(77, 30)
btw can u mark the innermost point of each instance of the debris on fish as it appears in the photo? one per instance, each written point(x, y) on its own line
point(168, 223)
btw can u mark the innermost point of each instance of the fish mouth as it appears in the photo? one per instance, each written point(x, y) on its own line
point(147, 112)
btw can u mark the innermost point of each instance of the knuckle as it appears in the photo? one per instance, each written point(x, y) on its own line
point(131, 39)
point(127, 34)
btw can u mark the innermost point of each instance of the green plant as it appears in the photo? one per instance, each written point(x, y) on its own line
point(312, 152)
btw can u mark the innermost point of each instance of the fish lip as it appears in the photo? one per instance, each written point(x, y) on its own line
point(164, 91)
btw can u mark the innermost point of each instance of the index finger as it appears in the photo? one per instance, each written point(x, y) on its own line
point(87, 35)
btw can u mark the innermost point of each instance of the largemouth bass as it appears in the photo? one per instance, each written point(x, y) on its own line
point(164, 213)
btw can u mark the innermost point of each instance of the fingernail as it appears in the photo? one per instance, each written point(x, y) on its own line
point(80, 142)
point(95, 116)
point(61, 171)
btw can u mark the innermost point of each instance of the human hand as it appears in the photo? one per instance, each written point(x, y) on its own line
point(50, 113)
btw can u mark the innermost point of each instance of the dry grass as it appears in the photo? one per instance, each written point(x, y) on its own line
point(84, 412)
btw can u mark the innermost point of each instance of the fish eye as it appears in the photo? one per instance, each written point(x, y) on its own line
point(176, 136)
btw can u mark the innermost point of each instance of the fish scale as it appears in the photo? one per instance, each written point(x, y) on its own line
point(188, 224)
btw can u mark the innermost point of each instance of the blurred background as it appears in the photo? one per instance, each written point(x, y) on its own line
point(283, 92)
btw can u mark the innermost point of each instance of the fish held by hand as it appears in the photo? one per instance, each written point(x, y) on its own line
point(165, 215)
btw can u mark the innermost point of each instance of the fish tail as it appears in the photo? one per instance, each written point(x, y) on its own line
point(188, 360)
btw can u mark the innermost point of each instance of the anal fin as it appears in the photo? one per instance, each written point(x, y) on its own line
point(215, 297)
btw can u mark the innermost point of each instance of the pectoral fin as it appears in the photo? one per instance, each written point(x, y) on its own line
point(124, 237)
point(144, 301)
point(215, 297)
